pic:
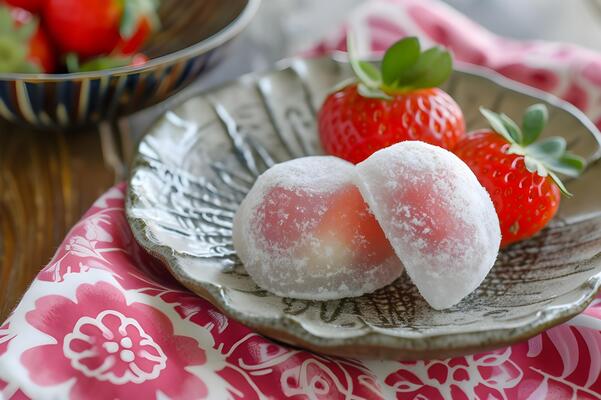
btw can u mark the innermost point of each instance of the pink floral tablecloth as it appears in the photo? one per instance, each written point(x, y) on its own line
point(103, 320)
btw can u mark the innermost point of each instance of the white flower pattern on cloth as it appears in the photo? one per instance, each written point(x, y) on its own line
point(128, 353)
point(102, 336)
point(494, 371)
point(94, 230)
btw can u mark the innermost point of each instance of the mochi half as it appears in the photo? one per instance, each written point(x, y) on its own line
point(304, 231)
point(440, 221)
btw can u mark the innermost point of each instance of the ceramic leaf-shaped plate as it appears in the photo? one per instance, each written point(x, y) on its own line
point(195, 165)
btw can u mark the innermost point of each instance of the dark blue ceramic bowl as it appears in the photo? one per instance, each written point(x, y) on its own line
point(193, 37)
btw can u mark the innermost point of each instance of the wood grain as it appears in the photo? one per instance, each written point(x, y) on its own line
point(47, 181)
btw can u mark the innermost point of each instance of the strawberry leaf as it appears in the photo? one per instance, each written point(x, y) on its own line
point(20, 33)
point(363, 73)
point(14, 58)
point(6, 21)
point(560, 184)
point(14, 44)
point(534, 120)
point(96, 64)
point(72, 62)
point(512, 128)
point(26, 31)
point(341, 85)
point(107, 62)
point(548, 149)
point(370, 70)
point(535, 166)
point(434, 67)
point(398, 58)
point(496, 123)
point(569, 164)
point(373, 93)
point(426, 71)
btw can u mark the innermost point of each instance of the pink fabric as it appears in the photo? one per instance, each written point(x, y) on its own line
point(568, 71)
point(105, 320)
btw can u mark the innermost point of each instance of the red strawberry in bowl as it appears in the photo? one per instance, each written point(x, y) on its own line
point(400, 101)
point(92, 28)
point(520, 173)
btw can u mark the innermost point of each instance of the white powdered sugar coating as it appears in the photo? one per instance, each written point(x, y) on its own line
point(439, 219)
point(304, 231)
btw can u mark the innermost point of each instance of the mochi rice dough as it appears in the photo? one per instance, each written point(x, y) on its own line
point(439, 219)
point(304, 231)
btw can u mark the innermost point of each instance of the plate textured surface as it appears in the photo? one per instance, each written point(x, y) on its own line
point(198, 161)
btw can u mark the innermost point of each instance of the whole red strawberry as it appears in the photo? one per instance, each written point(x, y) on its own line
point(398, 102)
point(24, 45)
point(519, 173)
point(91, 28)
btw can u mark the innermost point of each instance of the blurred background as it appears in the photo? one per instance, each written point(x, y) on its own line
point(575, 21)
point(292, 25)
point(283, 28)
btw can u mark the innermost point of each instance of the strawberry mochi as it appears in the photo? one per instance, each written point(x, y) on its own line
point(304, 231)
point(440, 221)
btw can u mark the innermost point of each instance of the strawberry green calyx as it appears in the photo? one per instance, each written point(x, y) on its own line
point(547, 157)
point(14, 44)
point(404, 67)
point(133, 12)
point(97, 63)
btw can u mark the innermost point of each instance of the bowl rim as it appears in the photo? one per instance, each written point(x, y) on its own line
point(225, 34)
point(383, 344)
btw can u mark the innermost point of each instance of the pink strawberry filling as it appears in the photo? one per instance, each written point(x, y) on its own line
point(340, 222)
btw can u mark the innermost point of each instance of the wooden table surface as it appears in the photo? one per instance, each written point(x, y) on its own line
point(47, 181)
